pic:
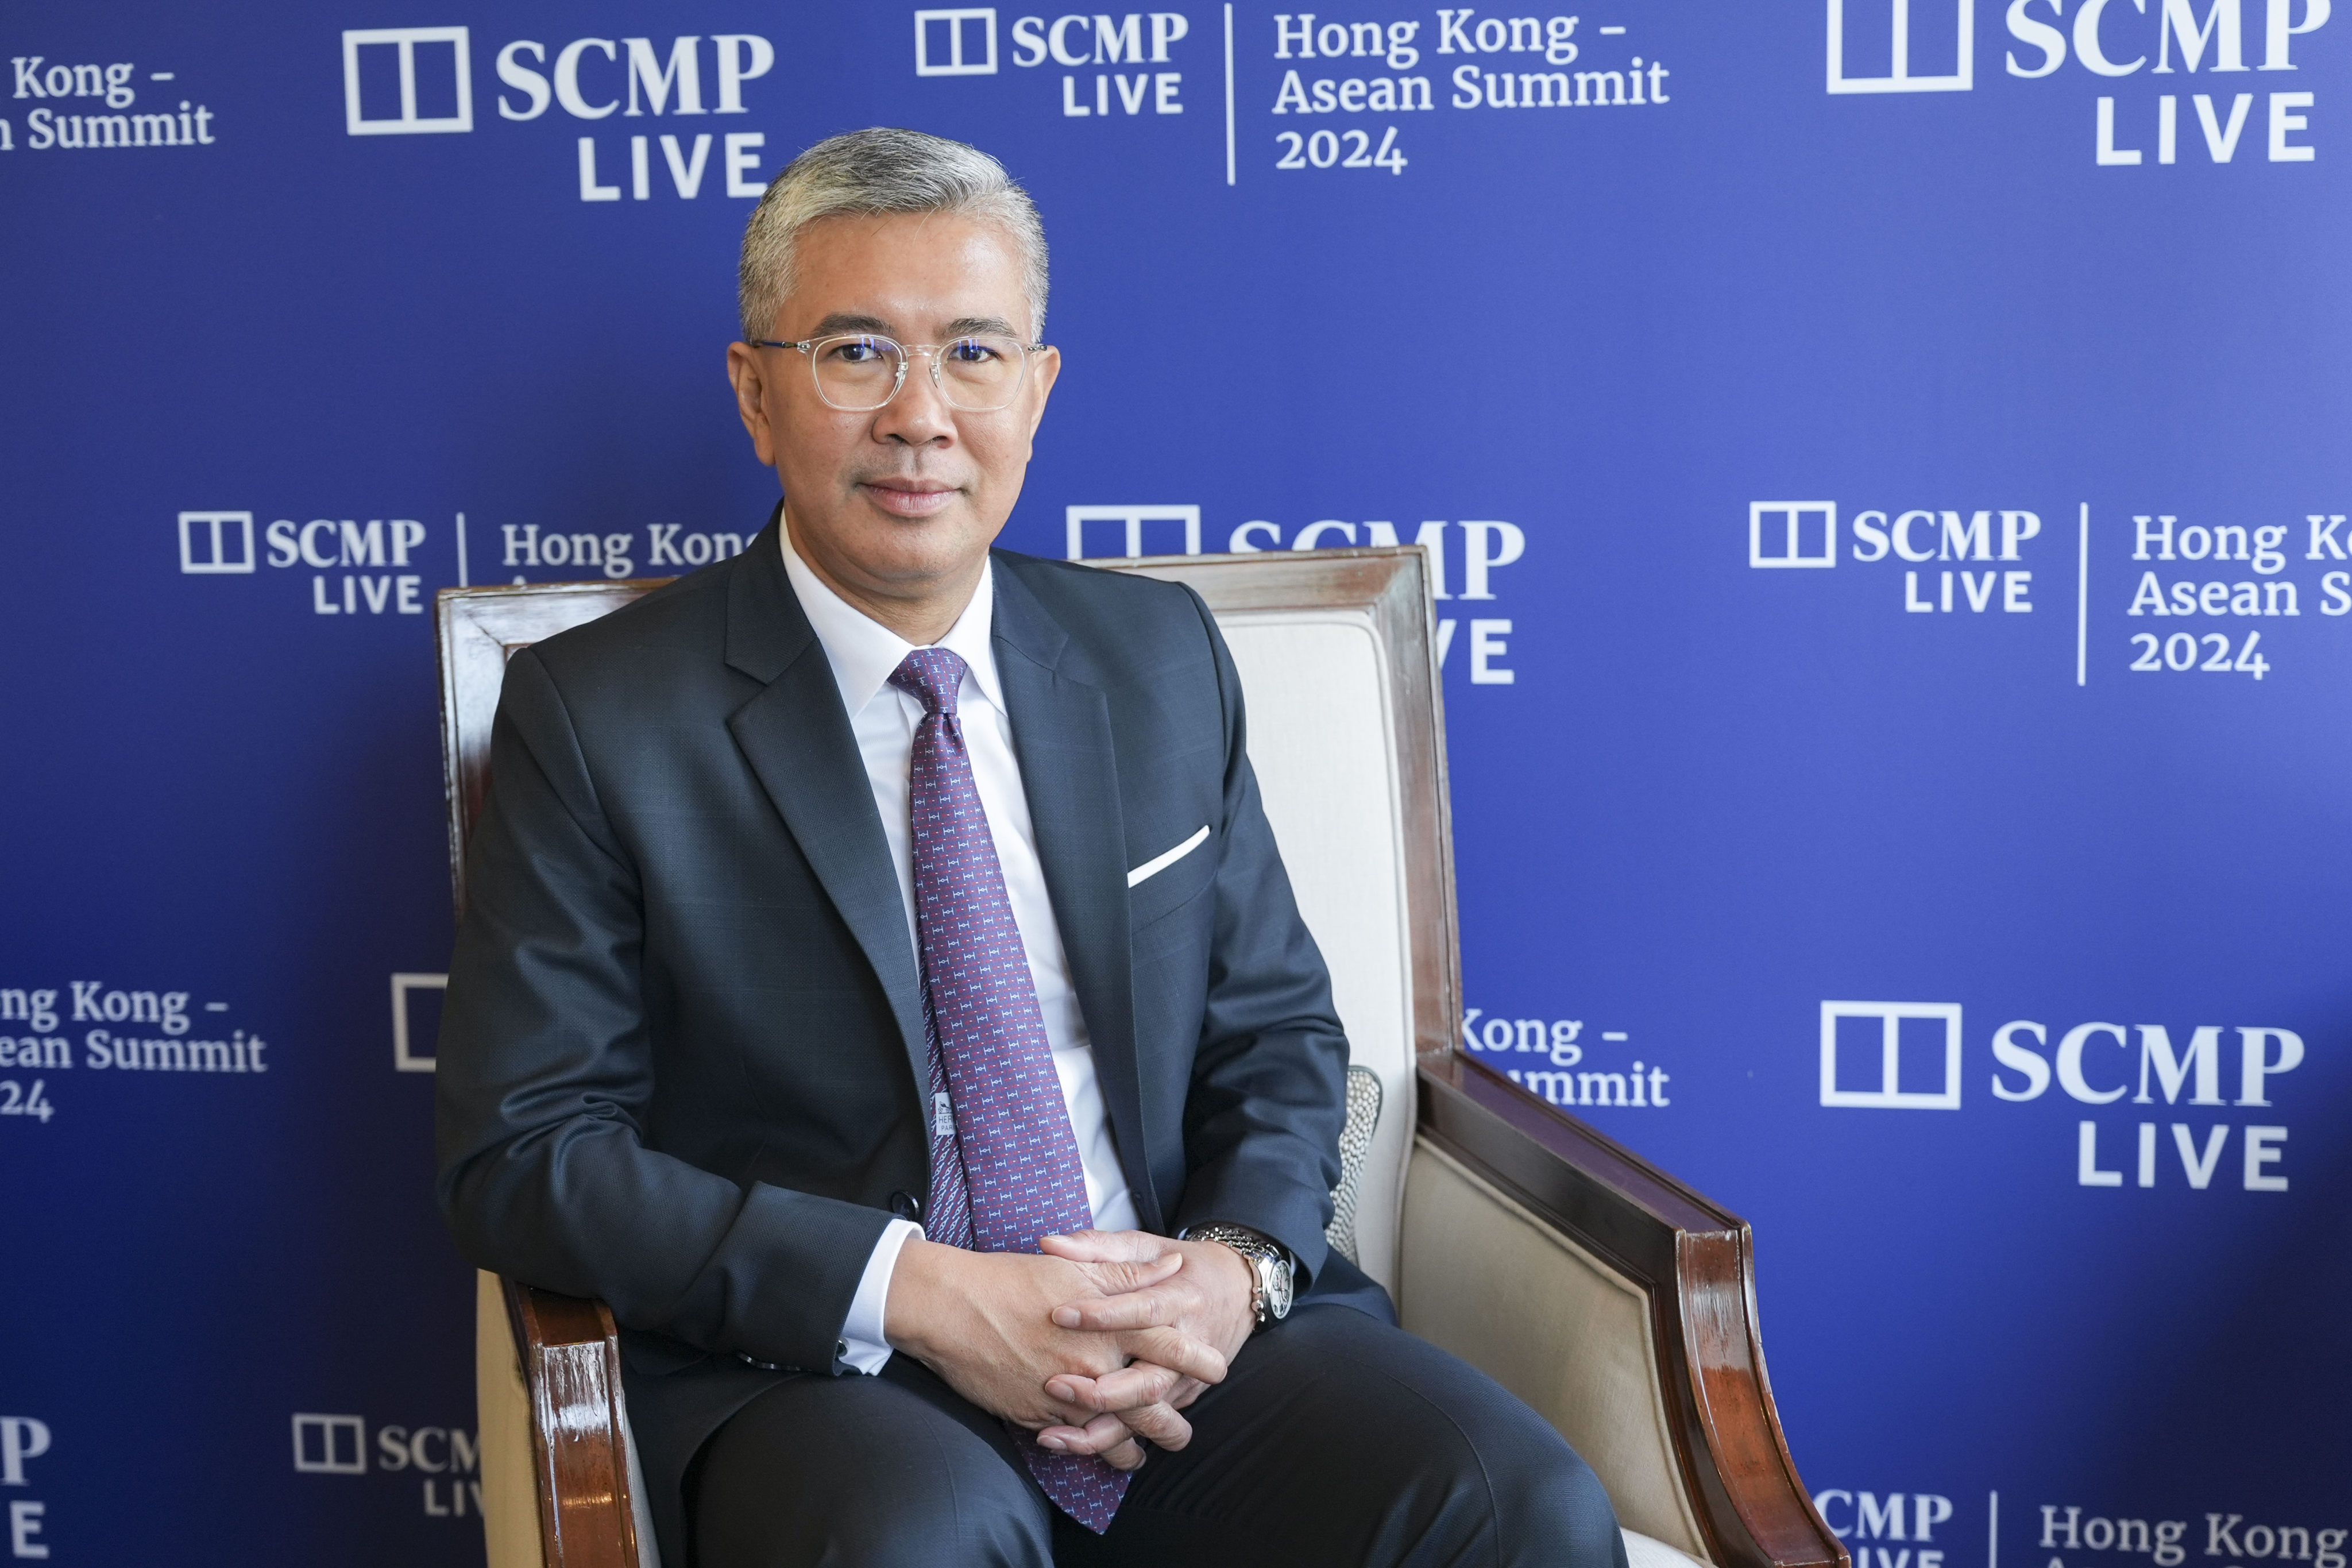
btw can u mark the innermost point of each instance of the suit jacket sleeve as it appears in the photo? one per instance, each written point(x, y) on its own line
point(546, 1071)
point(1269, 1078)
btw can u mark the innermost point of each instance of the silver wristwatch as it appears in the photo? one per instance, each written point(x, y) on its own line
point(1266, 1259)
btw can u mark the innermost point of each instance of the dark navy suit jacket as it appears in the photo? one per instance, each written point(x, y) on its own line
point(684, 1029)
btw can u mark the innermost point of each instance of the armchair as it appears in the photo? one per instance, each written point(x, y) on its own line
point(1615, 1301)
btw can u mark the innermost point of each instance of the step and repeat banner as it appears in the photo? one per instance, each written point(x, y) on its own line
point(1886, 466)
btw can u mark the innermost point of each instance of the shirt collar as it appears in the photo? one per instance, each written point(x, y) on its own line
point(863, 652)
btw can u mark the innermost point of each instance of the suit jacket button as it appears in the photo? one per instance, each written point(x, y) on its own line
point(907, 1206)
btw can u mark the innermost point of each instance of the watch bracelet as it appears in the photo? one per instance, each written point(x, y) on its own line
point(1256, 1248)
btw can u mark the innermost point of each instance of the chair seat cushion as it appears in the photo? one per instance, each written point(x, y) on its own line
point(1642, 1552)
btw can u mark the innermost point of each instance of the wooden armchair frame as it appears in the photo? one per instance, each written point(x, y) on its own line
point(1689, 1259)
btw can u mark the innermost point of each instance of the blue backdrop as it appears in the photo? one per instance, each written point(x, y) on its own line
point(1883, 456)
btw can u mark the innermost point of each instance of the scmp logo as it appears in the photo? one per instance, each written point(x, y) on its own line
point(1134, 517)
point(215, 556)
point(2092, 1065)
point(408, 122)
point(952, 28)
point(1805, 535)
point(1889, 1093)
point(961, 41)
point(329, 1445)
point(1898, 77)
point(448, 1458)
point(2097, 32)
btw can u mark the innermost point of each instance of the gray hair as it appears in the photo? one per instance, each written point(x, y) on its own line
point(876, 172)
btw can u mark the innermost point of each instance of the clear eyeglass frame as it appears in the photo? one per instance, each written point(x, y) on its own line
point(900, 352)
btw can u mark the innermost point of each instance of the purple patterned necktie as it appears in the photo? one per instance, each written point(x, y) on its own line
point(1004, 1163)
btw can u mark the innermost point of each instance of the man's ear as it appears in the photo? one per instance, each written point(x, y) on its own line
point(1045, 369)
point(750, 382)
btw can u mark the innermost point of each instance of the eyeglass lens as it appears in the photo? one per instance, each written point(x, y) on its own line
point(860, 373)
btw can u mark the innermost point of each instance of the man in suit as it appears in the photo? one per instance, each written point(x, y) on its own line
point(880, 984)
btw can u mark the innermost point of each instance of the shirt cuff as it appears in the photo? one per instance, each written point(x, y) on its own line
point(862, 1344)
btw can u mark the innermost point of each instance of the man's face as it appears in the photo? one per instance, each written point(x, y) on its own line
point(901, 502)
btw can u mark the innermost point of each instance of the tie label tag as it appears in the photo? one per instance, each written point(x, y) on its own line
point(942, 1117)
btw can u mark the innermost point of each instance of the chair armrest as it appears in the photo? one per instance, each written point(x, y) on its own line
point(570, 1355)
point(1695, 1262)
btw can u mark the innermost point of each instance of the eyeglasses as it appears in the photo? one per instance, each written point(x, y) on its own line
point(858, 373)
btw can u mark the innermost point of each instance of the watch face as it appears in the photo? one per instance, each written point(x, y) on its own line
point(1276, 1275)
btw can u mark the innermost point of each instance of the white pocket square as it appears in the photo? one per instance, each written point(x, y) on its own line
point(1158, 863)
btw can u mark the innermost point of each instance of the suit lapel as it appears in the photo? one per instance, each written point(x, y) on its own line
point(799, 746)
point(1069, 770)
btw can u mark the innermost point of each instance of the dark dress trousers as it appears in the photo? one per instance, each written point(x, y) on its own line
point(684, 1029)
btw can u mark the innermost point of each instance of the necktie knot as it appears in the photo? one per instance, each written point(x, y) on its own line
point(932, 675)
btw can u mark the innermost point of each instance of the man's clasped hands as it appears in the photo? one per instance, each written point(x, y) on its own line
point(1095, 1344)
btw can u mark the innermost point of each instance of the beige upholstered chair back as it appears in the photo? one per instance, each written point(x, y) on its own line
point(1334, 656)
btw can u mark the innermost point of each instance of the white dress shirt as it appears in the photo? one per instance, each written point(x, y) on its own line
point(864, 653)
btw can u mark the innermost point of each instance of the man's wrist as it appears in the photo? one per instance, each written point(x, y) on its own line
point(864, 1338)
point(912, 1285)
point(1245, 1267)
point(1271, 1268)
